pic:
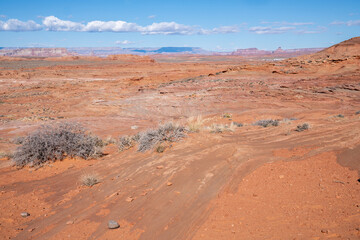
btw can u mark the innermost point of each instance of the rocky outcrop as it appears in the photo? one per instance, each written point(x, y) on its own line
point(35, 52)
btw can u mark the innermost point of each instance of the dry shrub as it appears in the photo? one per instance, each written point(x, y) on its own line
point(89, 179)
point(302, 127)
point(55, 142)
point(267, 123)
point(126, 142)
point(219, 128)
point(168, 132)
point(194, 124)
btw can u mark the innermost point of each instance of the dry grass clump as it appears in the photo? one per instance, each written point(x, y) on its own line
point(109, 140)
point(126, 142)
point(89, 179)
point(168, 132)
point(56, 142)
point(302, 127)
point(267, 123)
point(227, 115)
point(160, 148)
point(219, 128)
point(7, 155)
point(238, 124)
point(194, 124)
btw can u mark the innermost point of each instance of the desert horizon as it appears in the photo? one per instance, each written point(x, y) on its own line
point(226, 140)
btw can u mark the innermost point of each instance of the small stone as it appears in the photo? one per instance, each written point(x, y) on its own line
point(324, 231)
point(31, 229)
point(69, 222)
point(129, 199)
point(134, 127)
point(113, 224)
point(25, 214)
point(160, 167)
point(169, 183)
point(281, 176)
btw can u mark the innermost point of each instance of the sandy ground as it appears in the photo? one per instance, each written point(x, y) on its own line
point(252, 183)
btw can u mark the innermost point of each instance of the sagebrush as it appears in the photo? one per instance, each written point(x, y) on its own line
point(302, 127)
point(126, 142)
point(56, 142)
point(168, 132)
point(267, 123)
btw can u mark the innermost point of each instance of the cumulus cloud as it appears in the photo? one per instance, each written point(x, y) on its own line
point(52, 23)
point(125, 42)
point(348, 23)
point(17, 25)
point(111, 26)
point(270, 30)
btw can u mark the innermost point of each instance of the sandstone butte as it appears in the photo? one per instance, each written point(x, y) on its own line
point(249, 183)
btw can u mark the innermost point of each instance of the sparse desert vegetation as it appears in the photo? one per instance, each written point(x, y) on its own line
point(267, 123)
point(195, 124)
point(56, 142)
point(302, 127)
point(168, 132)
point(154, 181)
point(89, 179)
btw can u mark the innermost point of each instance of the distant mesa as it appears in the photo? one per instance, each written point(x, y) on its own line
point(349, 47)
point(34, 52)
point(277, 53)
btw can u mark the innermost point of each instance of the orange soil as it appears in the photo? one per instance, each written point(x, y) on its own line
point(219, 188)
point(311, 199)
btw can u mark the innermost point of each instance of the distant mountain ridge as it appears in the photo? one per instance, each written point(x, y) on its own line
point(106, 51)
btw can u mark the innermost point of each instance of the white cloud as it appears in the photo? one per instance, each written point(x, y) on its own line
point(319, 29)
point(53, 23)
point(17, 25)
point(270, 30)
point(2, 16)
point(348, 23)
point(125, 42)
point(111, 26)
point(225, 29)
point(170, 28)
point(284, 23)
point(152, 16)
point(353, 23)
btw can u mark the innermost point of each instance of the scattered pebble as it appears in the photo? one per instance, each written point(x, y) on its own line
point(169, 183)
point(25, 214)
point(129, 199)
point(160, 167)
point(113, 224)
point(281, 176)
point(69, 222)
point(134, 127)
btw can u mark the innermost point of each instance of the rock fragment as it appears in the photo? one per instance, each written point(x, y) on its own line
point(113, 224)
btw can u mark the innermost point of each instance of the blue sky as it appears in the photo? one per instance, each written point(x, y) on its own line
point(211, 24)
